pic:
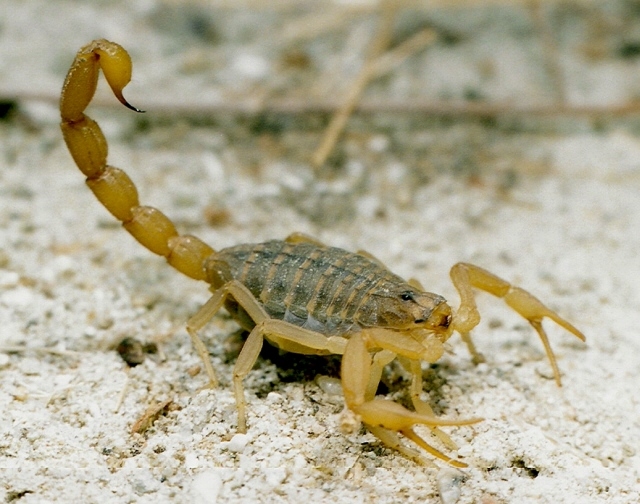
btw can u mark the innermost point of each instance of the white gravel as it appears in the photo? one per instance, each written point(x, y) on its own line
point(550, 205)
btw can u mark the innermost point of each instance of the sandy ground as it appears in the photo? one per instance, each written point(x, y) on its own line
point(549, 203)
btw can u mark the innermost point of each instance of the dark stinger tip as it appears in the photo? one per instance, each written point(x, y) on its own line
point(131, 107)
point(122, 100)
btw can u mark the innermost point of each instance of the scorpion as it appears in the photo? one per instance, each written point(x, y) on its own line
point(299, 294)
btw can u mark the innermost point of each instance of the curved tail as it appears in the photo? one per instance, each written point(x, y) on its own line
point(113, 187)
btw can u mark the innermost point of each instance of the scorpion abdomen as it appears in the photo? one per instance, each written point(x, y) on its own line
point(324, 289)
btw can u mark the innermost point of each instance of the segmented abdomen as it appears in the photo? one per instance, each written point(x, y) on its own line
point(320, 288)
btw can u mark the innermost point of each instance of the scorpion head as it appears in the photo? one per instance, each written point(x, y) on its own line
point(406, 308)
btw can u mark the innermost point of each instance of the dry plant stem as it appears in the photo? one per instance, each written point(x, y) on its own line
point(377, 64)
point(50, 351)
point(310, 26)
point(379, 43)
point(151, 414)
point(550, 51)
point(392, 59)
point(372, 70)
point(188, 109)
point(287, 5)
point(340, 118)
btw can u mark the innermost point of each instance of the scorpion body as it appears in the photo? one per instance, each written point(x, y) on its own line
point(299, 294)
point(324, 289)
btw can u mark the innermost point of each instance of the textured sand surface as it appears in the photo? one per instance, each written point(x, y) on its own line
point(549, 203)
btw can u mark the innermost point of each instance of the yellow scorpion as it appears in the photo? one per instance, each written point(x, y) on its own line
point(298, 294)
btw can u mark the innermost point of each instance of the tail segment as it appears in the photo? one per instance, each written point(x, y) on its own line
point(113, 187)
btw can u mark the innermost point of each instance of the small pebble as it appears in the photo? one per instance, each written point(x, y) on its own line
point(8, 279)
point(274, 476)
point(20, 297)
point(251, 66)
point(329, 385)
point(205, 487)
point(449, 485)
point(191, 461)
point(238, 443)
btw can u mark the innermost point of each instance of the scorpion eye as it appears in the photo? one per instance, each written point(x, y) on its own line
point(407, 296)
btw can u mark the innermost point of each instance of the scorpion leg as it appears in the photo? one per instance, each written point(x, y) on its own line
point(299, 237)
point(250, 349)
point(382, 417)
point(422, 407)
point(378, 362)
point(371, 257)
point(393, 441)
point(466, 276)
point(415, 283)
point(197, 322)
point(287, 336)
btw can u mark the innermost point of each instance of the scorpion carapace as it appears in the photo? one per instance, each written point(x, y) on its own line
point(297, 293)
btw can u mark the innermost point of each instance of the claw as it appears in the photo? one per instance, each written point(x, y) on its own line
point(384, 418)
point(392, 415)
point(465, 276)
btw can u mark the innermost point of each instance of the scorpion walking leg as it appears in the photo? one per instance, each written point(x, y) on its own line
point(250, 349)
point(466, 276)
point(378, 362)
point(299, 237)
point(385, 418)
point(197, 322)
point(393, 441)
point(287, 336)
point(422, 407)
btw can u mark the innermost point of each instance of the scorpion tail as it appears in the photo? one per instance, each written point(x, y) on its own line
point(111, 186)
